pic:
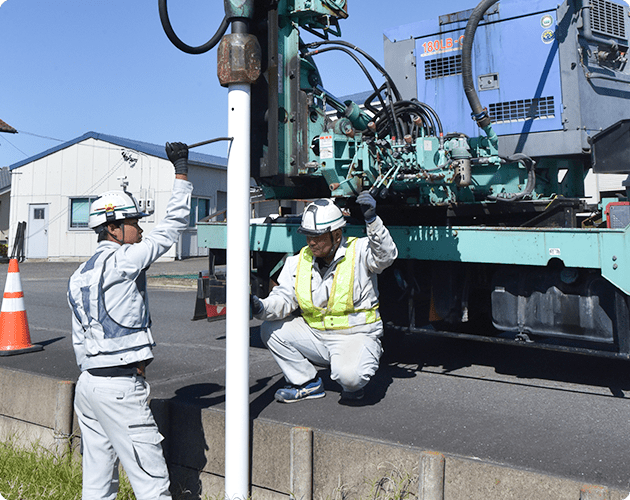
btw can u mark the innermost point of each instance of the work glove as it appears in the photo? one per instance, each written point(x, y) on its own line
point(368, 206)
point(177, 153)
point(256, 304)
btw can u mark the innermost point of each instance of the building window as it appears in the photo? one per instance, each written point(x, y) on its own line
point(80, 212)
point(199, 208)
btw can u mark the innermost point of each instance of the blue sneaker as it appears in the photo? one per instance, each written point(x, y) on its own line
point(310, 390)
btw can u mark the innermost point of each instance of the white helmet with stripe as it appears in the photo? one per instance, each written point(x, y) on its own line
point(114, 206)
point(321, 216)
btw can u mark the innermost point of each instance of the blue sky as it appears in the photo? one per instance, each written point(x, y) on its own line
point(73, 66)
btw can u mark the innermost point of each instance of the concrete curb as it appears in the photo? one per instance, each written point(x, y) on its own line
point(431, 476)
point(172, 282)
point(302, 463)
point(35, 408)
point(286, 461)
point(301, 467)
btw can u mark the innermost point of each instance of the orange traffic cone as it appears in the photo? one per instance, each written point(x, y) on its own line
point(14, 335)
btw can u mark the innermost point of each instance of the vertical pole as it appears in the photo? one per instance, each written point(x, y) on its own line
point(237, 299)
point(238, 66)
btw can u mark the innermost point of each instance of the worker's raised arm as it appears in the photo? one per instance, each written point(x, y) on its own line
point(383, 251)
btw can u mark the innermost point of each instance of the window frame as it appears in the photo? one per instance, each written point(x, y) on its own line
point(194, 205)
point(90, 199)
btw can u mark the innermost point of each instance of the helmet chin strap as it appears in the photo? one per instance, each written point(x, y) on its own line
point(333, 249)
point(120, 242)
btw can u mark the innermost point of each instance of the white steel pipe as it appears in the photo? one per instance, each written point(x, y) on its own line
point(237, 296)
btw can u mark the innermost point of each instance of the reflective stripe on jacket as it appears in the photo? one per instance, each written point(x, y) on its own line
point(103, 334)
point(339, 313)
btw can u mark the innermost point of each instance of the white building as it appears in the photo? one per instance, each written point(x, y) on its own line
point(52, 192)
point(5, 203)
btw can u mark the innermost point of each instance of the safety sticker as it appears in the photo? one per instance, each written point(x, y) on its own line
point(326, 146)
point(554, 252)
point(428, 145)
point(548, 36)
point(546, 21)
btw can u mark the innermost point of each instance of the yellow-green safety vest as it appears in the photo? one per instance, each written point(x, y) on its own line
point(340, 308)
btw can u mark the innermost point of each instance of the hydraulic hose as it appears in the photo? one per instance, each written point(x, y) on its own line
point(356, 59)
point(431, 112)
point(373, 61)
point(531, 179)
point(479, 113)
point(175, 40)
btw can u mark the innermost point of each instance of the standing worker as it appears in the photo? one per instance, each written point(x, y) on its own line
point(334, 284)
point(113, 344)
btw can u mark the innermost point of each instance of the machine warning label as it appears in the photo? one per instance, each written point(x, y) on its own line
point(325, 146)
point(548, 36)
point(441, 45)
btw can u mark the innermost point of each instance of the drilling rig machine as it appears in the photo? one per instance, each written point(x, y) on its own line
point(501, 235)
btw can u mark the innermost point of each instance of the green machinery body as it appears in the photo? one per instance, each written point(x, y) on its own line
point(495, 244)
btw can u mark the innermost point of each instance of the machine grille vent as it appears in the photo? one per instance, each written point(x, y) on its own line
point(443, 66)
point(607, 18)
point(525, 109)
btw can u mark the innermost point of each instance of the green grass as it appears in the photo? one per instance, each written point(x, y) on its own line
point(35, 473)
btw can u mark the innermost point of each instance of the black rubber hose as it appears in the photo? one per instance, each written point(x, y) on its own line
point(403, 110)
point(368, 101)
point(406, 113)
point(170, 33)
point(394, 115)
point(356, 59)
point(469, 86)
point(530, 165)
point(374, 62)
point(432, 112)
point(425, 112)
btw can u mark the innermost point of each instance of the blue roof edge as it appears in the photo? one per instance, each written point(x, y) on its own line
point(143, 147)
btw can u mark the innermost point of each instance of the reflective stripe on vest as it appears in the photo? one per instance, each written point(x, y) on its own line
point(339, 312)
point(103, 334)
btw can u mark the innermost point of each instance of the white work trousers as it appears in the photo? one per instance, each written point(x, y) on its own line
point(296, 347)
point(117, 424)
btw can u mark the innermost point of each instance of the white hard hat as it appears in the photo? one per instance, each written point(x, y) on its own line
point(321, 216)
point(113, 206)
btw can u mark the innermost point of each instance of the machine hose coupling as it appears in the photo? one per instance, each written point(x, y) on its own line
point(238, 59)
point(482, 119)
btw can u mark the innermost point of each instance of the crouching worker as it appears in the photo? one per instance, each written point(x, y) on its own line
point(111, 335)
point(333, 281)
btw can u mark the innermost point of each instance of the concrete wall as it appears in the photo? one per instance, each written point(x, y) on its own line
point(36, 409)
point(286, 461)
point(296, 462)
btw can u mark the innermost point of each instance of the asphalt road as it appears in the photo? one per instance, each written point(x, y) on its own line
point(555, 413)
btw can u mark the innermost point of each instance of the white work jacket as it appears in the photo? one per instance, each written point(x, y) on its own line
point(111, 324)
point(374, 253)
